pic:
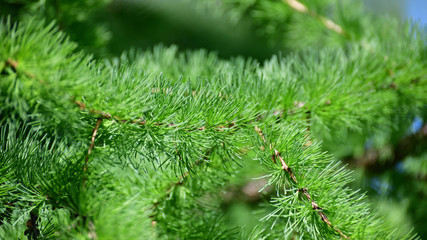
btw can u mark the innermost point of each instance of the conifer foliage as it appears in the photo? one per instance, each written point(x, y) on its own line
point(144, 145)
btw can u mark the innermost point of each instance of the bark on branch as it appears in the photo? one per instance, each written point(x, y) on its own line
point(304, 191)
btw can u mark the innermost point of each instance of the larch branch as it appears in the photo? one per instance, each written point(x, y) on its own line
point(92, 143)
point(304, 191)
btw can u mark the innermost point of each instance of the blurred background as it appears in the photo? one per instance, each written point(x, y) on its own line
point(108, 27)
point(391, 166)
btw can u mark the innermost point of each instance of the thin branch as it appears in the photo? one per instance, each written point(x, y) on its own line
point(284, 165)
point(109, 116)
point(276, 154)
point(92, 144)
point(331, 25)
point(319, 210)
point(178, 183)
point(185, 174)
point(105, 115)
point(304, 191)
point(14, 65)
point(182, 177)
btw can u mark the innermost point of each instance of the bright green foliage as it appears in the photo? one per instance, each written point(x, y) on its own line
point(143, 145)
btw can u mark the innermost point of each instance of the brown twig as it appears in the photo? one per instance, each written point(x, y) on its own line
point(181, 178)
point(304, 191)
point(331, 25)
point(174, 184)
point(109, 116)
point(185, 174)
point(284, 165)
point(14, 65)
point(276, 154)
point(105, 115)
point(319, 211)
point(180, 181)
point(92, 143)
